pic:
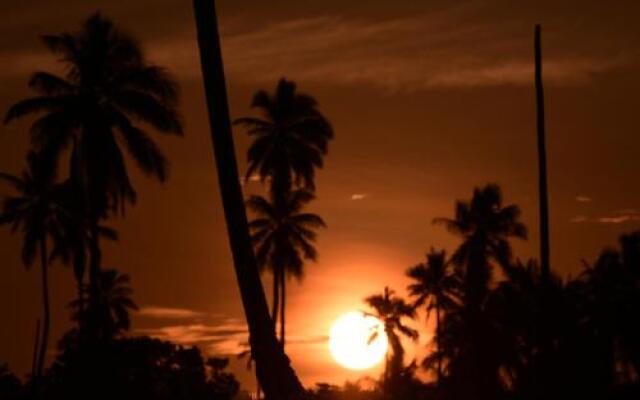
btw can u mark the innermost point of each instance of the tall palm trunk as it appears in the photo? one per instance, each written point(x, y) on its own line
point(46, 317)
point(92, 318)
point(542, 161)
point(283, 280)
point(438, 339)
point(36, 345)
point(277, 378)
point(276, 300)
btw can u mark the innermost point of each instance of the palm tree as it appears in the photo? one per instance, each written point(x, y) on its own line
point(485, 226)
point(434, 286)
point(277, 378)
point(283, 236)
point(35, 212)
point(391, 310)
point(94, 109)
point(73, 245)
point(115, 303)
point(290, 139)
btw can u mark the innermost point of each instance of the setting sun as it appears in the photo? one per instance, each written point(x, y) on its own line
point(357, 341)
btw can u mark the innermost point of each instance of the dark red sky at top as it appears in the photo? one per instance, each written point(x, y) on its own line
point(428, 100)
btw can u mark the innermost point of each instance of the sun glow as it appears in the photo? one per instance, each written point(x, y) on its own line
point(357, 341)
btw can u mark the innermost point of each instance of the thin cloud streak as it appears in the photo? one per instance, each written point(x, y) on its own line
point(168, 312)
point(618, 217)
point(447, 49)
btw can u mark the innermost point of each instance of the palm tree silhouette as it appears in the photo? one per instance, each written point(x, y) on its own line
point(290, 139)
point(485, 226)
point(114, 305)
point(283, 236)
point(35, 212)
point(73, 245)
point(273, 368)
point(434, 286)
point(93, 109)
point(391, 310)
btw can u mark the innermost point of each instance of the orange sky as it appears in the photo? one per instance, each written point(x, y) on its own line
point(428, 100)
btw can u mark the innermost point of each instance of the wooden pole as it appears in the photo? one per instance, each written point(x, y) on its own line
point(542, 161)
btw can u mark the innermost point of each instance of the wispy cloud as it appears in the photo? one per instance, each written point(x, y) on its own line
point(221, 337)
point(579, 218)
point(458, 46)
point(168, 313)
point(583, 199)
point(449, 48)
point(617, 217)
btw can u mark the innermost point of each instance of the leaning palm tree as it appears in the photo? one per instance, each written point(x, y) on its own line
point(94, 110)
point(290, 139)
point(115, 303)
point(283, 236)
point(35, 212)
point(434, 286)
point(273, 368)
point(391, 310)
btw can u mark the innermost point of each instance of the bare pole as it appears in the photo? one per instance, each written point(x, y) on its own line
point(542, 161)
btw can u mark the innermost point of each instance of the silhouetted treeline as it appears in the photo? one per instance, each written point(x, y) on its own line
point(494, 312)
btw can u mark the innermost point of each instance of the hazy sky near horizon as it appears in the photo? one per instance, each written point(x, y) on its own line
point(428, 100)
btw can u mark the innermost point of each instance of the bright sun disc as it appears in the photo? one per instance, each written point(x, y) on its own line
point(357, 341)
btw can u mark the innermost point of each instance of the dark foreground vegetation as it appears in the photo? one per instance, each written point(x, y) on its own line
point(505, 329)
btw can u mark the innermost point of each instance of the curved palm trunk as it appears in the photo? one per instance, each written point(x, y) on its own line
point(276, 300)
point(283, 279)
point(277, 378)
point(45, 305)
point(438, 338)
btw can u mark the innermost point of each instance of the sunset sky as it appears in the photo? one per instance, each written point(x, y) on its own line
point(427, 98)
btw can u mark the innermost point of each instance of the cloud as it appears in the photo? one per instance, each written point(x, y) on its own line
point(359, 196)
point(583, 199)
point(224, 337)
point(168, 313)
point(618, 217)
point(457, 47)
point(579, 218)
point(451, 48)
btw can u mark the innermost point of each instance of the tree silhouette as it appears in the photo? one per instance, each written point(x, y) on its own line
point(611, 293)
point(283, 236)
point(73, 247)
point(35, 212)
point(290, 139)
point(94, 108)
point(273, 368)
point(485, 226)
point(434, 286)
point(114, 304)
point(391, 310)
